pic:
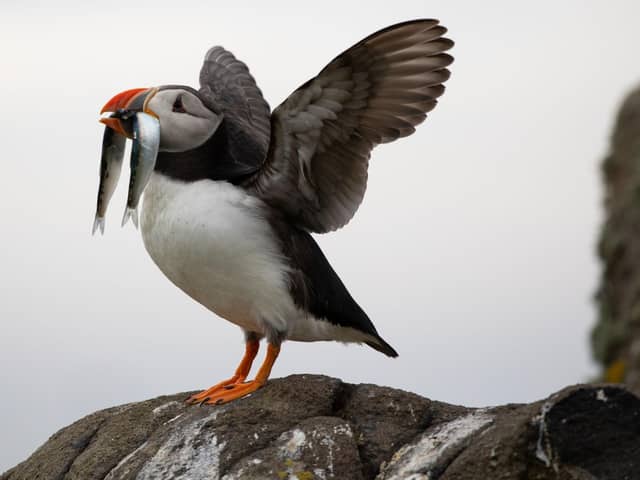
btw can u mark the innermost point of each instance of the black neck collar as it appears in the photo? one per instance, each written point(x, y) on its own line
point(227, 155)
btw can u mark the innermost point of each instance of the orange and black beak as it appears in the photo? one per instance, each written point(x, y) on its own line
point(123, 106)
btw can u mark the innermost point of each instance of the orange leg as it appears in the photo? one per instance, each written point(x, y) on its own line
point(250, 352)
point(235, 390)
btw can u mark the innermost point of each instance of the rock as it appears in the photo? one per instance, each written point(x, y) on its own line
point(319, 447)
point(308, 427)
point(616, 336)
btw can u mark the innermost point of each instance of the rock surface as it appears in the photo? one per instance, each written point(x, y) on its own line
point(616, 336)
point(308, 427)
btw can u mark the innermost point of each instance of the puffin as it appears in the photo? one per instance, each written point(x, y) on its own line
point(234, 191)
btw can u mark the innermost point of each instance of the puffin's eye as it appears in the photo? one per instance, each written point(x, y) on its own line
point(177, 105)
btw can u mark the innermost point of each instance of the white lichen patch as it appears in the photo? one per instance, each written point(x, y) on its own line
point(294, 444)
point(343, 429)
point(190, 452)
point(164, 406)
point(600, 395)
point(121, 469)
point(301, 448)
point(417, 460)
point(543, 450)
point(171, 420)
point(330, 446)
point(320, 474)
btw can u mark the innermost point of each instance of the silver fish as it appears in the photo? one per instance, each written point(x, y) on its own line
point(110, 167)
point(144, 151)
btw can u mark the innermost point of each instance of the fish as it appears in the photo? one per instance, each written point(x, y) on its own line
point(144, 152)
point(110, 167)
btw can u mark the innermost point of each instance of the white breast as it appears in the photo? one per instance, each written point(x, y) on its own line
point(209, 239)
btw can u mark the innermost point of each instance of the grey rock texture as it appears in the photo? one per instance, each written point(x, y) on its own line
point(308, 427)
point(616, 336)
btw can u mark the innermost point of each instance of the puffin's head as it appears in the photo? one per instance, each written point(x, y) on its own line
point(172, 119)
point(185, 121)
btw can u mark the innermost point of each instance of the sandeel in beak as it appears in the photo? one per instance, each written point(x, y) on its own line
point(110, 167)
point(128, 120)
point(144, 151)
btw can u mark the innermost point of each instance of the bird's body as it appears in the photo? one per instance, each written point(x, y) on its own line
point(233, 191)
point(211, 240)
point(227, 250)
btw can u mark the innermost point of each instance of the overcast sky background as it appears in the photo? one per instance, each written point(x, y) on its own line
point(473, 252)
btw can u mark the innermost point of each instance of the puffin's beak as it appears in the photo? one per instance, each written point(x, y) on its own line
point(115, 124)
point(122, 106)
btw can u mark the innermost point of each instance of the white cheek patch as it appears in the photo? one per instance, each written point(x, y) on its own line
point(180, 131)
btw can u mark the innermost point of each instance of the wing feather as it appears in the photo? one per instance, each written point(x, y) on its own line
point(228, 87)
point(322, 135)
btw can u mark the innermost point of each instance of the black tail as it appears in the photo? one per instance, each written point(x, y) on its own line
point(316, 288)
point(380, 345)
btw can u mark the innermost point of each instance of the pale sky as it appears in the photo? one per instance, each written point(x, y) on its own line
point(473, 252)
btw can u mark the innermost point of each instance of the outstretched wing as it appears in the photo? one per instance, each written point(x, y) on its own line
point(323, 134)
point(227, 87)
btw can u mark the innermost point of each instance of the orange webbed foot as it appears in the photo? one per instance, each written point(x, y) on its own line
point(205, 394)
point(236, 387)
point(231, 392)
point(250, 352)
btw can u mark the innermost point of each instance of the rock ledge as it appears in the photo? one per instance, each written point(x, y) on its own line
point(308, 427)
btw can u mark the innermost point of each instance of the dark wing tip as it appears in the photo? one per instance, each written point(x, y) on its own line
point(446, 59)
point(447, 43)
